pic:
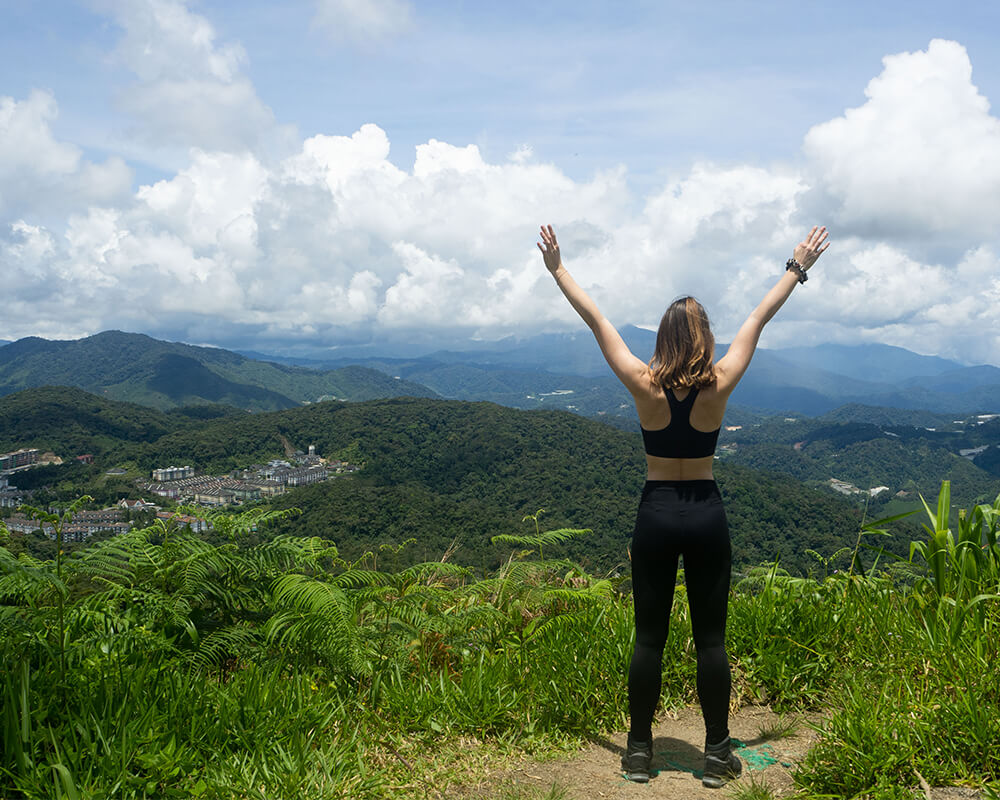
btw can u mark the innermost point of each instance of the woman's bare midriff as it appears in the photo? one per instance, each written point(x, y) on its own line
point(679, 469)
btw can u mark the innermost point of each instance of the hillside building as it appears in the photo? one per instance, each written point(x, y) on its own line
point(196, 524)
point(215, 497)
point(19, 459)
point(84, 525)
point(171, 491)
point(136, 505)
point(304, 476)
point(11, 496)
point(172, 474)
point(244, 492)
point(269, 488)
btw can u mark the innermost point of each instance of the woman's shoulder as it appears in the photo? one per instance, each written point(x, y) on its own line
point(708, 394)
point(653, 389)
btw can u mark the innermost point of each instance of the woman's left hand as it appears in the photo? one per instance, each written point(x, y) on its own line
point(550, 252)
point(815, 244)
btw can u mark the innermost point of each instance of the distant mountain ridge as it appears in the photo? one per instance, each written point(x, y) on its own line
point(809, 380)
point(866, 361)
point(136, 368)
point(564, 371)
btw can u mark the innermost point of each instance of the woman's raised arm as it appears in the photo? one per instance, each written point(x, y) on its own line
point(734, 363)
point(630, 370)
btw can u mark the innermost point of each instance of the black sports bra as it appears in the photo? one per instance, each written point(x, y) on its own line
point(679, 439)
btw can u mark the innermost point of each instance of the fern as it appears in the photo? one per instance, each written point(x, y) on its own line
point(435, 572)
point(540, 540)
point(317, 616)
point(234, 526)
point(359, 578)
point(215, 649)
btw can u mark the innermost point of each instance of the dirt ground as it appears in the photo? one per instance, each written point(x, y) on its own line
point(678, 756)
point(678, 740)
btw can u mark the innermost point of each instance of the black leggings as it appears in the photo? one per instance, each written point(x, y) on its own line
point(680, 518)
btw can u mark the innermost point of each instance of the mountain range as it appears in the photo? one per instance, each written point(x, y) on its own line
point(568, 371)
point(564, 371)
point(136, 368)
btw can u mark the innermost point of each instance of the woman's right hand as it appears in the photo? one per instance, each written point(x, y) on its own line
point(550, 253)
point(812, 247)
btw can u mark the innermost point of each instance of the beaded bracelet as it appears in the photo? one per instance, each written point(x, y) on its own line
point(796, 267)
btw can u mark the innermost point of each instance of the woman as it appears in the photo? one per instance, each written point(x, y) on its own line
point(680, 397)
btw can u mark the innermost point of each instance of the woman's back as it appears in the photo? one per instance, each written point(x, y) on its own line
point(671, 423)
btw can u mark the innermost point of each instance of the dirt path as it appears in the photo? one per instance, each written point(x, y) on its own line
point(678, 755)
point(594, 773)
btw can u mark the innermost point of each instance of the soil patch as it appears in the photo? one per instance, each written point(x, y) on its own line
point(678, 755)
point(595, 773)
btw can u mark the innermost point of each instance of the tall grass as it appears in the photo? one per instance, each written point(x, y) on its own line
point(157, 665)
point(922, 700)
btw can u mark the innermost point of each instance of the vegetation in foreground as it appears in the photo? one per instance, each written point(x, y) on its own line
point(158, 665)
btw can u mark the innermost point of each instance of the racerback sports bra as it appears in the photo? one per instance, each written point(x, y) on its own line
point(679, 439)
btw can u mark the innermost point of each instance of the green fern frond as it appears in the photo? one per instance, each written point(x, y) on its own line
point(359, 578)
point(434, 572)
point(599, 590)
point(414, 618)
point(220, 645)
point(31, 512)
point(305, 595)
point(544, 539)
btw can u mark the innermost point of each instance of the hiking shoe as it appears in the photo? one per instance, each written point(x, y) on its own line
point(637, 759)
point(721, 764)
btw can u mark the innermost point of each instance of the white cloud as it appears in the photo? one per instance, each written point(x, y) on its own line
point(30, 247)
point(429, 291)
point(164, 39)
point(40, 174)
point(191, 89)
point(863, 292)
point(876, 285)
point(336, 242)
point(363, 21)
point(26, 140)
point(205, 202)
point(920, 156)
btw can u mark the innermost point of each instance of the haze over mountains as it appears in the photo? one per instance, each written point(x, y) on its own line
point(809, 380)
point(548, 371)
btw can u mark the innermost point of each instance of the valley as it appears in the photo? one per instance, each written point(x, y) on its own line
point(453, 473)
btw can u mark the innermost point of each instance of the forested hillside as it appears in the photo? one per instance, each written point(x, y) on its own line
point(906, 458)
point(439, 472)
point(71, 422)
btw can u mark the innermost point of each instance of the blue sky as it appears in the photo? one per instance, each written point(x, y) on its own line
point(308, 174)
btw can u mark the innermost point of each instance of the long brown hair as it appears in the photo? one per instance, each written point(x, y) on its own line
point(684, 347)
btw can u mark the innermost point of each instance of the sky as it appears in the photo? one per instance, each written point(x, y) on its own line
point(297, 177)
